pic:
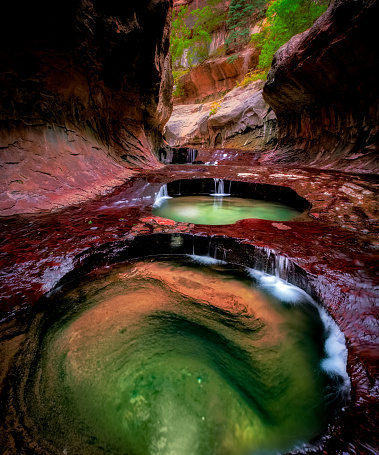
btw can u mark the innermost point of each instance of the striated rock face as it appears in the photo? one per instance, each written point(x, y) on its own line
point(86, 90)
point(323, 88)
point(242, 120)
point(213, 77)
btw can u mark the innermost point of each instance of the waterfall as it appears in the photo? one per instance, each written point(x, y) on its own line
point(161, 196)
point(281, 266)
point(219, 188)
point(166, 156)
point(191, 155)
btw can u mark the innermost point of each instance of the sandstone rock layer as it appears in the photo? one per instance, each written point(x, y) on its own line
point(323, 88)
point(215, 76)
point(86, 89)
point(242, 119)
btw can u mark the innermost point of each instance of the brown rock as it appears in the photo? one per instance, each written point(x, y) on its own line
point(242, 120)
point(323, 89)
point(86, 91)
point(215, 76)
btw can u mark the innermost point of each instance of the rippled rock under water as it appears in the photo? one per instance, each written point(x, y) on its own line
point(168, 357)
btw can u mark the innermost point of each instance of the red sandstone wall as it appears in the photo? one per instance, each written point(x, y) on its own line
point(323, 88)
point(86, 91)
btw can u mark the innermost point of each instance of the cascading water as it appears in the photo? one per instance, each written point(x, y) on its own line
point(191, 155)
point(219, 188)
point(161, 196)
point(185, 356)
point(166, 156)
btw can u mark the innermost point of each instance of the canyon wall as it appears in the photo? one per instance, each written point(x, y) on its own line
point(241, 120)
point(323, 88)
point(212, 78)
point(86, 90)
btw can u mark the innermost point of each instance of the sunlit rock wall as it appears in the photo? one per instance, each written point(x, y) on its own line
point(242, 120)
point(323, 87)
point(211, 79)
point(85, 93)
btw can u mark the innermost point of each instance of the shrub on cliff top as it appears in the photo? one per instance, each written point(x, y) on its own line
point(240, 17)
point(285, 18)
point(194, 40)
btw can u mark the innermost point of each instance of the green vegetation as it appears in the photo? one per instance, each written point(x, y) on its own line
point(252, 76)
point(285, 18)
point(177, 74)
point(180, 33)
point(196, 39)
point(241, 15)
point(233, 58)
point(214, 107)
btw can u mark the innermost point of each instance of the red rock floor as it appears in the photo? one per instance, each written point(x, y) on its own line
point(337, 246)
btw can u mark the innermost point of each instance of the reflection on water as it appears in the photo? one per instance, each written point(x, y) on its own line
point(163, 357)
point(221, 210)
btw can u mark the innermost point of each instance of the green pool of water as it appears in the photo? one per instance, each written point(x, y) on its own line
point(158, 357)
point(221, 209)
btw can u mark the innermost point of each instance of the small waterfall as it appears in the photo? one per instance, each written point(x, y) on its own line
point(279, 265)
point(191, 155)
point(166, 156)
point(161, 196)
point(219, 188)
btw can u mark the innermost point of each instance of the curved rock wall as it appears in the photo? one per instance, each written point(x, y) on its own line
point(242, 119)
point(86, 90)
point(323, 88)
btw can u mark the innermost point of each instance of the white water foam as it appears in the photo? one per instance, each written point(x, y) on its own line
point(161, 196)
point(335, 344)
point(219, 188)
point(191, 155)
point(206, 260)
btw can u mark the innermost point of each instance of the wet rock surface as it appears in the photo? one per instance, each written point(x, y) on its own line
point(336, 246)
point(86, 91)
point(61, 119)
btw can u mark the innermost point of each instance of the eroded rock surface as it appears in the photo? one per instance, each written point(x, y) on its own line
point(336, 247)
point(86, 90)
point(210, 79)
point(323, 88)
point(242, 120)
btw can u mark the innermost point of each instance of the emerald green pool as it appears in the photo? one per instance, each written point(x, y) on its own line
point(163, 357)
point(221, 210)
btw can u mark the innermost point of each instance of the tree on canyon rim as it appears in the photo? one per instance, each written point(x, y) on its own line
point(242, 14)
point(195, 39)
point(285, 19)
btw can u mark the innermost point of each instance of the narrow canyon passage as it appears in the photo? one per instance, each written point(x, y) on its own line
point(128, 331)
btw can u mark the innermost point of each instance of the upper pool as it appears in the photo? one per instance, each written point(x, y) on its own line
point(218, 201)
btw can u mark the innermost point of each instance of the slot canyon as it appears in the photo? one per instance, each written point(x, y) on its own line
point(127, 330)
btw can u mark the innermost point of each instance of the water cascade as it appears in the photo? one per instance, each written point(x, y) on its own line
point(166, 156)
point(219, 188)
point(181, 355)
point(191, 155)
point(161, 196)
